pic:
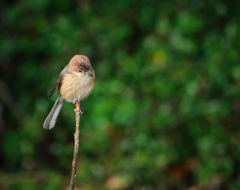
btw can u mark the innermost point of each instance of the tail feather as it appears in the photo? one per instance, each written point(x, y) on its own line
point(50, 121)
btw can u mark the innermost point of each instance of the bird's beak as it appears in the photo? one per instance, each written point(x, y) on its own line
point(90, 73)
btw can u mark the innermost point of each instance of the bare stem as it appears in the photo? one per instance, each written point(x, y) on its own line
point(76, 143)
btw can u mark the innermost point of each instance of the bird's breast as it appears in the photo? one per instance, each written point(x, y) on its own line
point(76, 86)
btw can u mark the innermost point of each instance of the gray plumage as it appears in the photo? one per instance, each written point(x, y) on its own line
point(51, 119)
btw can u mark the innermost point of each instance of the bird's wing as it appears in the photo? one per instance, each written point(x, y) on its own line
point(59, 81)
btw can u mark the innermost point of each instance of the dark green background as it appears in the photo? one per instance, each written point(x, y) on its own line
point(165, 110)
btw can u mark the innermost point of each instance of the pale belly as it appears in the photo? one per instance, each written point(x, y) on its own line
point(76, 86)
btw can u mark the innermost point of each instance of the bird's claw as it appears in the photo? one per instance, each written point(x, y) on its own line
point(75, 101)
point(78, 112)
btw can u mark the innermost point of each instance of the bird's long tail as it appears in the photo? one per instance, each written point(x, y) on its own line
point(50, 121)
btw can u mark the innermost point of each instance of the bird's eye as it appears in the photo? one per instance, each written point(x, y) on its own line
point(80, 71)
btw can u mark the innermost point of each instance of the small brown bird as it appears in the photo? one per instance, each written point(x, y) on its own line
point(75, 82)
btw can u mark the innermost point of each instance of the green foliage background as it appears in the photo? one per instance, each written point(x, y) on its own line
point(164, 113)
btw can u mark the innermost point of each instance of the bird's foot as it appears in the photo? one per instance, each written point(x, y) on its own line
point(78, 112)
point(77, 103)
point(75, 100)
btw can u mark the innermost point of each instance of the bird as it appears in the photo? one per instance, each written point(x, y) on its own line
point(76, 81)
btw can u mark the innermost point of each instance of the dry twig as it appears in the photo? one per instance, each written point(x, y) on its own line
point(76, 143)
